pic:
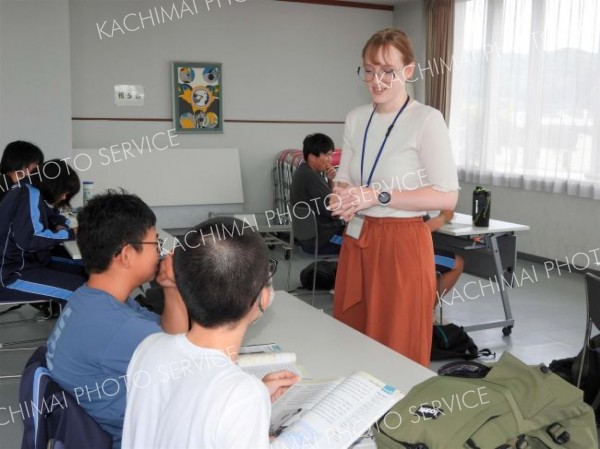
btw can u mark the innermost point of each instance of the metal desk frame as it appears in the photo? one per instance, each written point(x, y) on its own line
point(462, 229)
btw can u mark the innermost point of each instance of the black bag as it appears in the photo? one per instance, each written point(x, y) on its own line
point(325, 275)
point(466, 369)
point(452, 342)
point(568, 369)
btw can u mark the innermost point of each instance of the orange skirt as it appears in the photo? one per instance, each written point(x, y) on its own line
point(385, 285)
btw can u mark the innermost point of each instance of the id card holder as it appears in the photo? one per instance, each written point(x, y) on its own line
point(354, 227)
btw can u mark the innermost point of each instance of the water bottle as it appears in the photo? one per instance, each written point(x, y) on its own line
point(88, 191)
point(482, 201)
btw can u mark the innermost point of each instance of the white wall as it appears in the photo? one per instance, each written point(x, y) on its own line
point(409, 16)
point(561, 226)
point(281, 61)
point(35, 76)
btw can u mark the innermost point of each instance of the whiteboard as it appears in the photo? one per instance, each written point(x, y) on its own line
point(171, 177)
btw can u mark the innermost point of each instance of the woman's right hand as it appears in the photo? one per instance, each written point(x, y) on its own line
point(347, 201)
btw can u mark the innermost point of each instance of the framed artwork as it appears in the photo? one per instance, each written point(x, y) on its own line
point(197, 97)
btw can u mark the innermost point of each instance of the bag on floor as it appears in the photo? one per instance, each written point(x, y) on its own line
point(452, 342)
point(568, 369)
point(326, 270)
point(514, 407)
point(470, 369)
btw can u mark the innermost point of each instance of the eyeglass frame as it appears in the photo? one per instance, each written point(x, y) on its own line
point(376, 73)
point(272, 270)
point(159, 245)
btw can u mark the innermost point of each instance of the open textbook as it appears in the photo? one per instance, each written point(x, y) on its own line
point(329, 414)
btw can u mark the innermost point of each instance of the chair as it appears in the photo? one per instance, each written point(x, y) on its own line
point(438, 285)
point(51, 416)
point(305, 228)
point(592, 290)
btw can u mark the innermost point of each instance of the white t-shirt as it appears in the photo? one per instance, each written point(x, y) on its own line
point(182, 396)
point(417, 153)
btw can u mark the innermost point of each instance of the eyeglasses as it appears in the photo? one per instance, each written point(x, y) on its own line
point(367, 74)
point(269, 282)
point(159, 244)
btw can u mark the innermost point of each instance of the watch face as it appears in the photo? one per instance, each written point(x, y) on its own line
point(384, 198)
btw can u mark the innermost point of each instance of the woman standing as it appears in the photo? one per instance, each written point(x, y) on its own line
point(396, 164)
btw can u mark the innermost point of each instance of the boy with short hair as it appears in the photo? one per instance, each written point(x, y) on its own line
point(186, 391)
point(310, 188)
point(97, 333)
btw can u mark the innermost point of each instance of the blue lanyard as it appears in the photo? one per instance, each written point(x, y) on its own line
point(387, 134)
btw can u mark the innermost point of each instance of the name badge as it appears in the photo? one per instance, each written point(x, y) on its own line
point(354, 227)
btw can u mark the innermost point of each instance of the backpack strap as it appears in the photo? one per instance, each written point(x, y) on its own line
point(467, 369)
point(516, 443)
point(486, 353)
point(558, 433)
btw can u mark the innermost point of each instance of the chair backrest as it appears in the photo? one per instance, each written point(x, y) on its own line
point(304, 223)
point(51, 416)
point(592, 288)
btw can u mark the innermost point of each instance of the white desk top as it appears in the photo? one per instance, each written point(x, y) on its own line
point(73, 249)
point(462, 225)
point(327, 348)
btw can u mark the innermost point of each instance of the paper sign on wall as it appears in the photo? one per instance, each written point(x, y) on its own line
point(129, 95)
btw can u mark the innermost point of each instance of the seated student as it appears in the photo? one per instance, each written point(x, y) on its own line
point(95, 336)
point(449, 264)
point(18, 160)
point(309, 187)
point(30, 228)
point(194, 395)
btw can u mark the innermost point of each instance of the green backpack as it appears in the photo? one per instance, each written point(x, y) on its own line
point(514, 407)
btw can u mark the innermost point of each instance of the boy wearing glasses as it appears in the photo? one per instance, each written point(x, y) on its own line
point(194, 394)
point(95, 336)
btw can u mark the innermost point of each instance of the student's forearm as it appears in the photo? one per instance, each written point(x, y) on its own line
point(436, 223)
point(174, 319)
point(433, 224)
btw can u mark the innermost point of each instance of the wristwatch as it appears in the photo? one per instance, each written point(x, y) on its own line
point(384, 198)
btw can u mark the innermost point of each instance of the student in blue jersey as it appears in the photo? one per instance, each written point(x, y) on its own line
point(30, 228)
point(97, 333)
point(19, 159)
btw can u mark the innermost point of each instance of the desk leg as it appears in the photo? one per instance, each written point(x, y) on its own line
point(507, 324)
point(493, 241)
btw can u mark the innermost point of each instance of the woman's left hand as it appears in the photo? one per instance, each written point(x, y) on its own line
point(347, 201)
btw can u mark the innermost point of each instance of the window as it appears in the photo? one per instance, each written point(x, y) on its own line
point(525, 109)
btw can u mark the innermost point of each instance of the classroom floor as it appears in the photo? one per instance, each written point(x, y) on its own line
point(549, 311)
point(549, 316)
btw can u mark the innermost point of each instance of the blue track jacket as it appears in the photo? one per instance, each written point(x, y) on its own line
point(27, 232)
